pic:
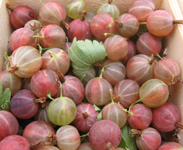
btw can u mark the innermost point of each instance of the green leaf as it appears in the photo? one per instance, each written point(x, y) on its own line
point(5, 98)
point(122, 143)
point(84, 54)
point(127, 137)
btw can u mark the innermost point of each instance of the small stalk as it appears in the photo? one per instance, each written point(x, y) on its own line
point(111, 25)
point(61, 77)
point(41, 1)
point(49, 96)
point(136, 132)
point(159, 56)
point(99, 65)
point(12, 69)
point(67, 39)
point(178, 22)
point(7, 58)
point(53, 55)
point(83, 136)
point(40, 49)
point(109, 146)
point(83, 16)
point(106, 34)
point(110, 2)
point(101, 72)
point(65, 24)
point(142, 23)
point(37, 36)
point(60, 89)
point(120, 24)
point(125, 110)
point(134, 104)
point(42, 101)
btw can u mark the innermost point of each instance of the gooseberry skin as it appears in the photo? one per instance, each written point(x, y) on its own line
point(165, 117)
point(41, 81)
point(148, 44)
point(68, 138)
point(102, 23)
point(52, 12)
point(160, 23)
point(97, 91)
point(85, 146)
point(22, 37)
point(166, 70)
point(170, 146)
point(53, 36)
point(140, 118)
point(141, 9)
point(18, 142)
point(85, 117)
point(149, 139)
point(27, 59)
point(21, 15)
point(38, 130)
point(79, 29)
point(116, 47)
point(154, 93)
point(57, 60)
point(48, 147)
point(140, 68)
point(8, 124)
point(11, 81)
point(129, 25)
point(22, 104)
point(108, 128)
point(128, 92)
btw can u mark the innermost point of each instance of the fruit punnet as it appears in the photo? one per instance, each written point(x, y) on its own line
point(80, 28)
point(11, 81)
point(62, 110)
point(105, 135)
point(86, 116)
point(114, 71)
point(167, 70)
point(56, 59)
point(17, 40)
point(141, 9)
point(139, 117)
point(110, 9)
point(39, 133)
point(116, 47)
point(41, 81)
point(147, 139)
point(24, 104)
point(102, 23)
point(21, 15)
point(14, 142)
point(127, 25)
point(148, 44)
point(52, 12)
point(52, 35)
point(25, 61)
point(75, 8)
point(166, 118)
point(9, 125)
point(127, 92)
point(161, 23)
point(140, 68)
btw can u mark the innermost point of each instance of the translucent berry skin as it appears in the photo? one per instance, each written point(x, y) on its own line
point(21, 15)
point(18, 142)
point(141, 9)
point(140, 118)
point(165, 117)
point(166, 70)
point(148, 44)
point(22, 104)
point(112, 134)
point(8, 123)
point(17, 40)
point(150, 139)
point(170, 146)
point(54, 36)
point(129, 25)
point(79, 29)
point(52, 12)
point(160, 23)
point(102, 23)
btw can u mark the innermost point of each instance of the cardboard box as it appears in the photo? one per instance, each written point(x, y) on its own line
point(173, 43)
